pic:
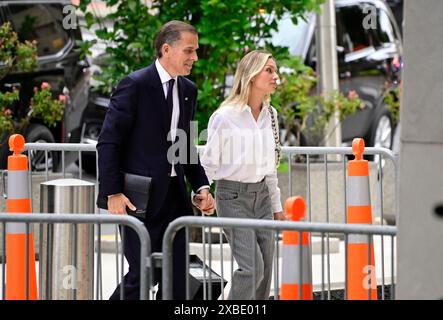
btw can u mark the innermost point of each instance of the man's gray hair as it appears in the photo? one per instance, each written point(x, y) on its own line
point(170, 33)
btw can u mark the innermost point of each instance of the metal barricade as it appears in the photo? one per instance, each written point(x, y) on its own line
point(383, 194)
point(146, 272)
point(277, 226)
point(44, 154)
point(309, 172)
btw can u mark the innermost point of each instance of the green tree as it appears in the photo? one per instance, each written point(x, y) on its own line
point(227, 30)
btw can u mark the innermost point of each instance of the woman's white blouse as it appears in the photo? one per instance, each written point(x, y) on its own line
point(241, 149)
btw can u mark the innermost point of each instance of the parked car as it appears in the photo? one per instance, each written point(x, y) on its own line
point(367, 63)
point(59, 64)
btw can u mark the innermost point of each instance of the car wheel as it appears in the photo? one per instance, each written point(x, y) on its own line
point(40, 134)
point(88, 162)
point(381, 134)
point(382, 131)
point(290, 138)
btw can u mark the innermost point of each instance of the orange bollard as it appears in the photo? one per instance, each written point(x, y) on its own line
point(19, 202)
point(290, 288)
point(361, 269)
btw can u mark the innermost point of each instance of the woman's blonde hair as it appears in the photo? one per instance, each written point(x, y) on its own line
point(249, 66)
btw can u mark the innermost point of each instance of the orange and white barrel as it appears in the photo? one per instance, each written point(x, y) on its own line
point(292, 277)
point(19, 201)
point(361, 277)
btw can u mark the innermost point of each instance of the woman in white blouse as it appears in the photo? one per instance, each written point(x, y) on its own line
point(241, 155)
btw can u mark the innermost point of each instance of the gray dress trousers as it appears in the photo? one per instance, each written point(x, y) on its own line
point(248, 200)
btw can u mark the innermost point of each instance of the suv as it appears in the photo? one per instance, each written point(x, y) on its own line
point(59, 64)
point(367, 63)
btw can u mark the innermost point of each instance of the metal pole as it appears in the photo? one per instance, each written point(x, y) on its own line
point(327, 57)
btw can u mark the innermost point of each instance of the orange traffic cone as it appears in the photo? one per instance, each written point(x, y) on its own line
point(290, 288)
point(361, 269)
point(19, 202)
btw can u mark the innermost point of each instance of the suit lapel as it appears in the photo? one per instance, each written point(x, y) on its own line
point(181, 98)
point(159, 97)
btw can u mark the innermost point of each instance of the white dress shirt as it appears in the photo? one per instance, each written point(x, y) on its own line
point(164, 78)
point(239, 148)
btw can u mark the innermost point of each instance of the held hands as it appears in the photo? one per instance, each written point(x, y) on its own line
point(280, 216)
point(204, 201)
point(117, 204)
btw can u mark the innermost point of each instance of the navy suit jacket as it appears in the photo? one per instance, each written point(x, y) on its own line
point(133, 138)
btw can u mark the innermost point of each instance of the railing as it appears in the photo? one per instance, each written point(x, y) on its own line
point(316, 166)
point(230, 224)
point(73, 220)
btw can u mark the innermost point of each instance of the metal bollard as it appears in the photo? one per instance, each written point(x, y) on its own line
point(67, 250)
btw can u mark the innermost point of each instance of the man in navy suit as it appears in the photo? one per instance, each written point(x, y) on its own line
point(145, 112)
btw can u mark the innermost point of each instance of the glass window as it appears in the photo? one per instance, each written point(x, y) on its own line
point(384, 33)
point(42, 23)
point(290, 35)
point(350, 32)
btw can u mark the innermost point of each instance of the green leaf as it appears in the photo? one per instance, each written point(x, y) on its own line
point(132, 4)
point(89, 18)
point(102, 34)
point(135, 46)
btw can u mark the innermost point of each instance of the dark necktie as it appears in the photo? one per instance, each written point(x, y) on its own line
point(169, 97)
